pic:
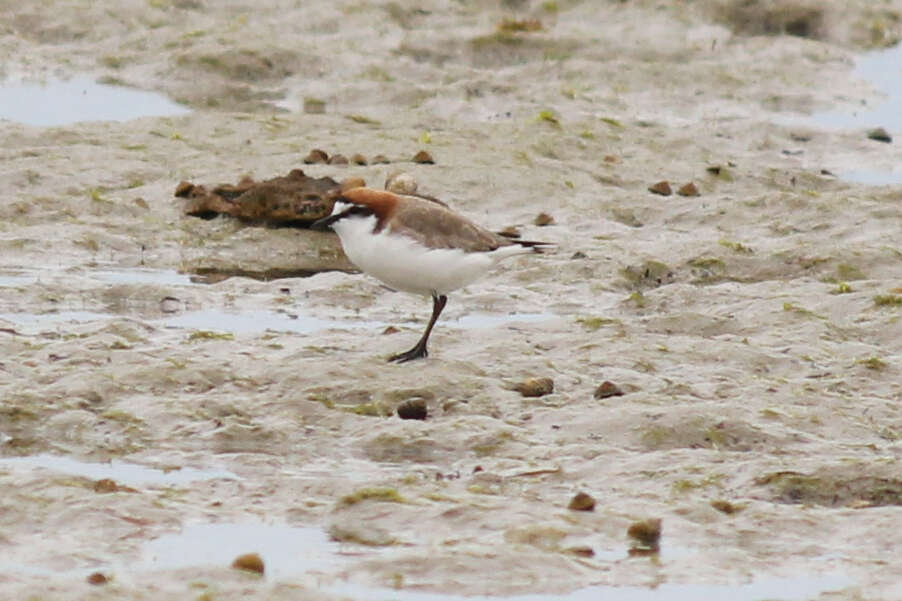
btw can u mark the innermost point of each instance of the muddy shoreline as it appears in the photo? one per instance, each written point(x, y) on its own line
point(156, 422)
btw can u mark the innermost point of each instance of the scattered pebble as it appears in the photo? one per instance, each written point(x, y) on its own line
point(424, 158)
point(400, 182)
point(579, 255)
point(726, 507)
point(314, 156)
point(379, 159)
point(106, 485)
point(582, 502)
point(581, 551)
point(714, 169)
point(170, 304)
point(610, 158)
point(662, 188)
point(689, 189)
point(183, 189)
point(358, 159)
point(543, 219)
point(646, 534)
point(607, 389)
point(97, 578)
point(879, 134)
point(338, 159)
point(413, 409)
point(249, 562)
point(535, 387)
point(314, 106)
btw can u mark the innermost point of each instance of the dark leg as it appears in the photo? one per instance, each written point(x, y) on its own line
point(419, 350)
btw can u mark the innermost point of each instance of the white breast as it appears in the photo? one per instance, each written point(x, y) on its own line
point(404, 264)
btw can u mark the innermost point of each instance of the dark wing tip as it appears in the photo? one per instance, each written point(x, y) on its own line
point(537, 247)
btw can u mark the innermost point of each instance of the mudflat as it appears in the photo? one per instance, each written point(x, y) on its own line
point(177, 392)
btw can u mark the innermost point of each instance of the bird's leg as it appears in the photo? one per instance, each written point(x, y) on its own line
point(419, 349)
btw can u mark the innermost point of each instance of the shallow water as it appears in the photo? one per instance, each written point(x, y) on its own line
point(59, 102)
point(285, 550)
point(883, 69)
point(122, 472)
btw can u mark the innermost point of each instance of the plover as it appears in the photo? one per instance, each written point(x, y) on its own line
point(417, 244)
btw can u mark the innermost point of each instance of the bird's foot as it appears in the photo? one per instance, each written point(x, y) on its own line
point(417, 352)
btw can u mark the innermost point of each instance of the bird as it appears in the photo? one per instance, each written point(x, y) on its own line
point(416, 244)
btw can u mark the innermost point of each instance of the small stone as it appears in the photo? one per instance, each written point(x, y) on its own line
point(170, 304)
point(338, 159)
point(107, 485)
point(579, 255)
point(413, 409)
point(535, 387)
point(543, 219)
point(390, 330)
point(249, 562)
point(879, 134)
point(316, 156)
point(400, 182)
point(662, 188)
point(97, 578)
point(582, 502)
point(358, 159)
point(689, 189)
point(726, 507)
point(314, 106)
point(183, 189)
point(424, 158)
point(581, 551)
point(610, 158)
point(352, 182)
point(714, 169)
point(607, 389)
point(379, 159)
point(646, 533)
point(141, 203)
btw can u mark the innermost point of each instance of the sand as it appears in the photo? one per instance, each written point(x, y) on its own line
point(153, 427)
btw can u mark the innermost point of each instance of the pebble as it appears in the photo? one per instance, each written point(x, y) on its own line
point(535, 387)
point(582, 502)
point(316, 156)
point(662, 188)
point(249, 562)
point(543, 219)
point(689, 189)
point(646, 533)
point(413, 409)
point(358, 159)
point(338, 159)
point(97, 578)
point(607, 389)
point(879, 134)
point(424, 158)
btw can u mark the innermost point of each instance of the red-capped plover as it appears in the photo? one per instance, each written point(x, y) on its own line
point(416, 244)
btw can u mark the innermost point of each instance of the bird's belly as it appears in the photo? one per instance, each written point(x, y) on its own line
point(404, 264)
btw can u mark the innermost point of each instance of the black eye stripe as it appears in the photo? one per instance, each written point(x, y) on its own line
point(354, 209)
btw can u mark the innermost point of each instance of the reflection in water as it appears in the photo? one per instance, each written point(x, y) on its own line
point(130, 474)
point(80, 99)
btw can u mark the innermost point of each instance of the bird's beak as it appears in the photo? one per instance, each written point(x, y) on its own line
point(322, 225)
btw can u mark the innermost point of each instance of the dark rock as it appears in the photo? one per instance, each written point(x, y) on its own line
point(646, 534)
point(249, 562)
point(291, 200)
point(316, 156)
point(535, 387)
point(879, 134)
point(689, 189)
point(662, 188)
point(607, 389)
point(413, 409)
point(423, 157)
point(582, 502)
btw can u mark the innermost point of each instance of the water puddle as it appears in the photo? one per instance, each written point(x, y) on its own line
point(778, 589)
point(883, 69)
point(59, 102)
point(130, 474)
point(286, 551)
point(248, 322)
point(143, 275)
point(14, 278)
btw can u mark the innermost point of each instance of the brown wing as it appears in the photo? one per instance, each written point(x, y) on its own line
point(435, 226)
